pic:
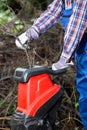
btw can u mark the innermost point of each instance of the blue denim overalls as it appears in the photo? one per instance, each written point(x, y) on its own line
point(81, 63)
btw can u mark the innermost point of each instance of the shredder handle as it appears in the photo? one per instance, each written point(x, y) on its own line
point(23, 74)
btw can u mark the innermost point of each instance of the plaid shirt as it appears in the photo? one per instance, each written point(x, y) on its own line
point(76, 26)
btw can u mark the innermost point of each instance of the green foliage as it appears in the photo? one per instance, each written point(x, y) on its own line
point(12, 108)
point(2, 5)
point(7, 15)
point(76, 105)
point(18, 25)
point(1, 102)
point(8, 8)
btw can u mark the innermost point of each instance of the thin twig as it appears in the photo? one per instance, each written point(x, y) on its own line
point(4, 129)
point(9, 95)
point(6, 118)
point(7, 77)
point(38, 55)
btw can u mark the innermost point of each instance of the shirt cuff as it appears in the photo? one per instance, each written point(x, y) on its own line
point(65, 56)
point(32, 33)
point(36, 29)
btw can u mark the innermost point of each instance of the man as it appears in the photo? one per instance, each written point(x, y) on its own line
point(73, 15)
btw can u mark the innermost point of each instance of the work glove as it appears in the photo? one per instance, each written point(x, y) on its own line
point(61, 64)
point(23, 40)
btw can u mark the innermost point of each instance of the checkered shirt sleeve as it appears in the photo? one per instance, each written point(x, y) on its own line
point(49, 17)
point(75, 29)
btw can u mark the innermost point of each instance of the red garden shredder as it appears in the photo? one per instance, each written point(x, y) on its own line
point(38, 99)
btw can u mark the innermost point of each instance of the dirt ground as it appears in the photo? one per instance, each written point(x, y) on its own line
point(44, 51)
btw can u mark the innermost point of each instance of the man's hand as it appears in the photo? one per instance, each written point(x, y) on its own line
point(23, 40)
point(61, 64)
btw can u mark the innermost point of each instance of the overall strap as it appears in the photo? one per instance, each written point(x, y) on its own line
point(68, 4)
